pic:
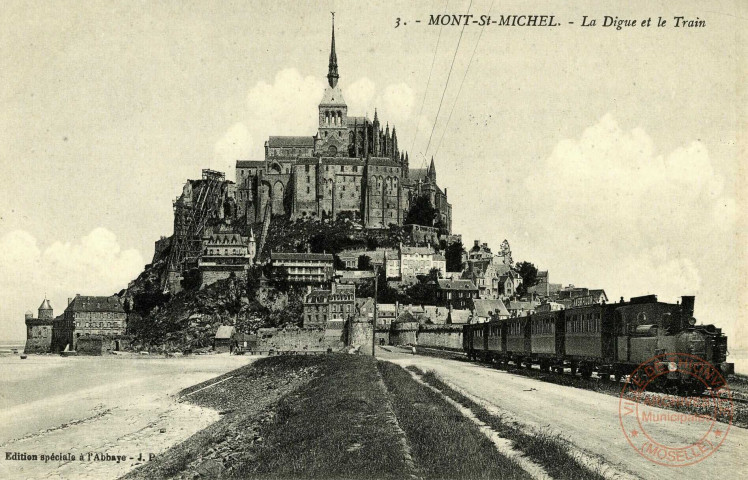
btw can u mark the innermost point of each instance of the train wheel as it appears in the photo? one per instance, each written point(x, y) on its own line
point(573, 369)
point(617, 375)
point(586, 371)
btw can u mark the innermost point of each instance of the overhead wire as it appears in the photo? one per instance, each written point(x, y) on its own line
point(428, 82)
point(446, 84)
point(461, 84)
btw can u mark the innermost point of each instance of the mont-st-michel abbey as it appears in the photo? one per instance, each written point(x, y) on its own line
point(352, 167)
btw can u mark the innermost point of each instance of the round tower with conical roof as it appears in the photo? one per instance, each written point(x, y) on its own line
point(45, 310)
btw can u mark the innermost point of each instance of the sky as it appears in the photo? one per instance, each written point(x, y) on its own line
point(611, 158)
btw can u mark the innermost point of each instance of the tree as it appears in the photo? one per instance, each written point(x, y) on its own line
point(422, 212)
point(364, 262)
point(279, 279)
point(434, 274)
point(422, 292)
point(529, 274)
point(453, 255)
point(338, 263)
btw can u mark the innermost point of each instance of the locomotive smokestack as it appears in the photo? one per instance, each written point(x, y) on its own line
point(687, 304)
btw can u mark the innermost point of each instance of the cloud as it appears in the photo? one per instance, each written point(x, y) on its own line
point(360, 96)
point(289, 106)
point(607, 210)
point(94, 265)
point(235, 144)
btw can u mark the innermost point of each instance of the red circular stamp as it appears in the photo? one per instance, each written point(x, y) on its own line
point(676, 409)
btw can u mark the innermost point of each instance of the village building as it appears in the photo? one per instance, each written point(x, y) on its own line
point(329, 309)
point(354, 277)
point(314, 269)
point(520, 308)
point(225, 253)
point(223, 342)
point(455, 293)
point(91, 316)
point(543, 287)
point(487, 309)
point(415, 261)
point(549, 307)
point(387, 258)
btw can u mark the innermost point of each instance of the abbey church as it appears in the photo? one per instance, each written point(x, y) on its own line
point(350, 168)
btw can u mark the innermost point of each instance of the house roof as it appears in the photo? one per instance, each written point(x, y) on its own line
point(325, 257)
point(95, 304)
point(520, 305)
point(354, 274)
point(383, 162)
point(417, 251)
point(435, 314)
point(387, 307)
point(224, 331)
point(460, 315)
point(445, 284)
point(45, 305)
point(279, 141)
point(333, 96)
point(415, 174)
point(483, 306)
point(405, 317)
point(599, 292)
point(250, 163)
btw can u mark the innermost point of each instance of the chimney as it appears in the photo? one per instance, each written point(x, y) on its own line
point(477, 243)
point(687, 304)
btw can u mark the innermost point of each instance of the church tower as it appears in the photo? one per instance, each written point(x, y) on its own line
point(333, 111)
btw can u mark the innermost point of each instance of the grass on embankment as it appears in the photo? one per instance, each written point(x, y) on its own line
point(547, 450)
point(443, 443)
point(327, 416)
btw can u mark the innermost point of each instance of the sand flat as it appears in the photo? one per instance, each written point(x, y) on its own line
point(116, 406)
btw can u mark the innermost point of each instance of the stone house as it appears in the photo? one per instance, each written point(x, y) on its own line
point(455, 293)
point(329, 309)
point(224, 340)
point(315, 269)
point(416, 261)
point(91, 315)
point(486, 309)
point(224, 253)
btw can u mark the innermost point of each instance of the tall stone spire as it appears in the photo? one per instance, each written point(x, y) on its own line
point(332, 73)
point(431, 173)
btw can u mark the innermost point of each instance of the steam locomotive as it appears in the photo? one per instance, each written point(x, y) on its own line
point(611, 339)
